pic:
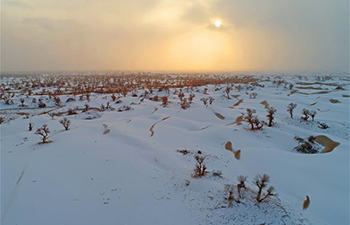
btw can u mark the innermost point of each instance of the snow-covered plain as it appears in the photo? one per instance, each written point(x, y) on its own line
point(129, 176)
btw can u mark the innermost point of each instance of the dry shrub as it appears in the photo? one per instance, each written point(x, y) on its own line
point(66, 123)
point(200, 169)
point(43, 132)
point(261, 182)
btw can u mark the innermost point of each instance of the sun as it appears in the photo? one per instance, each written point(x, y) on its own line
point(218, 23)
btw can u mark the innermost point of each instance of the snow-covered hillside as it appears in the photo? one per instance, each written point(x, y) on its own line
point(126, 167)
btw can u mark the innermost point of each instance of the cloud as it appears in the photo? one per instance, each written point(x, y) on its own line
point(197, 13)
point(140, 34)
point(47, 23)
point(17, 4)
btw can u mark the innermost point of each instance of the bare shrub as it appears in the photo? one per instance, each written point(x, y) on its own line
point(261, 182)
point(88, 97)
point(312, 113)
point(103, 107)
point(164, 101)
point(109, 107)
point(290, 109)
point(252, 120)
point(87, 107)
point(22, 102)
point(217, 173)
point(184, 103)
point(41, 104)
point(30, 127)
point(66, 123)
point(43, 132)
point(253, 95)
point(183, 151)
point(241, 185)
point(322, 125)
point(211, 100)
point(52, 114)
point(204, 100)
point(72, 112)
point(200, 169)
point(305, 114)
point(229, 188)
point(227, 91)
point(181, 95)
point(307, 147)
point(57, 101)
point(190, 99)
point(270, 116)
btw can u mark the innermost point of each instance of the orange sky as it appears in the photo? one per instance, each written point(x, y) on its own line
point(178, 35)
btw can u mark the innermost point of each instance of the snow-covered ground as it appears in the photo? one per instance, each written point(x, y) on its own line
point(134, 174)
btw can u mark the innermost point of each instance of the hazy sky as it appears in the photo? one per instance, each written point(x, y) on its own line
point(255, 35)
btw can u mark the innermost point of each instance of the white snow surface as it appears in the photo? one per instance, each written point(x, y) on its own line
point(129, 177)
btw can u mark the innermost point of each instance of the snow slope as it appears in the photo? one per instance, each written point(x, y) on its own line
point(128, 176)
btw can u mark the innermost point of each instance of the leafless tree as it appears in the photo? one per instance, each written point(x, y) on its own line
point(253, 120)
point(30, 126)
point(261, 182)
point(43, 132)
point(164, 101)
point(270, 116)
point(227, 91)
point(290, 109)
point(66, 123)
point(312, 113)
point(200, 169)
point(305, 114)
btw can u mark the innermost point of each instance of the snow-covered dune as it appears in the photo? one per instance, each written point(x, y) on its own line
point(134, 174)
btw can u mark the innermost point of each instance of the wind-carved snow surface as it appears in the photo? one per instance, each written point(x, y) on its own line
point(130, 175)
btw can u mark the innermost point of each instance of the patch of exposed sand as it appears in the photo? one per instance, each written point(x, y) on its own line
point(203, 128)
point(237, 154)
point(334, 101)
point(155, 110)
point(218, 115)
point(318, 83)
point(315, 93)
point(228, 146)
point(239, 102)
point(106, 131)
point(306, 203)
point(309, 88)
point(328, 143)
point(293, 92)
point(239, 120)
point(326, 110)
point(265, 104)
point(152, 127)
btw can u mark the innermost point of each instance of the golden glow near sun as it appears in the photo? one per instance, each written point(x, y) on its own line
point(218, 23)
